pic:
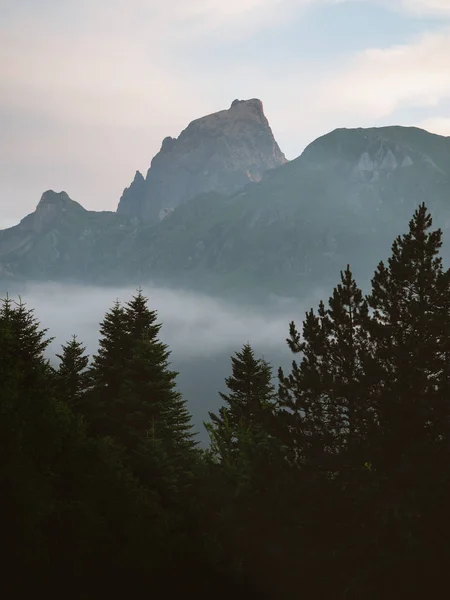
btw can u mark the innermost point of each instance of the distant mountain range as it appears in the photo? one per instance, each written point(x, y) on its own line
point(222, 211)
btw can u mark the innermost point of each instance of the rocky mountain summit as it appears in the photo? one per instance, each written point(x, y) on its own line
point(221, 152)
point(52, 206)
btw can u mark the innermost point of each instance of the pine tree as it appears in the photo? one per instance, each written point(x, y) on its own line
point(327, 409)
point(410, 327)
point(73, 378)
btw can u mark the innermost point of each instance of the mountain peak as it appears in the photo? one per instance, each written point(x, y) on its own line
point(220, 152)
point(59, 199)
point(51, 197)
point(54, 202)
point(253, 104)
point(368, 151)
point(138, 177)
point(167, 144)
point(51, 206)
point(232, 121)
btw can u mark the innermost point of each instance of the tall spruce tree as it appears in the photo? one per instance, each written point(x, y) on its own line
point(149, 378)
point(141, 321)
point(33, 435)
point(114, 347)
point(157, 430)
point(104, 408)
point(134, 391)
point(24, 334)
point(73, 378)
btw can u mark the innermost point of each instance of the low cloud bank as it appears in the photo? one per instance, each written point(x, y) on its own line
point(202, 332)
point(194, 325)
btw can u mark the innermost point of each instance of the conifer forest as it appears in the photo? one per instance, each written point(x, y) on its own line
point(330, 481)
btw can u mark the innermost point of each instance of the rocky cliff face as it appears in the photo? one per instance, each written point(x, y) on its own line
point(221, 152)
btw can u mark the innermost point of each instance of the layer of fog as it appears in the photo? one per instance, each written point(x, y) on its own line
point(202, 332)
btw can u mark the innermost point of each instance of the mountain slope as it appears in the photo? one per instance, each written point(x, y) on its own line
point(62, 240)
point(342, 201)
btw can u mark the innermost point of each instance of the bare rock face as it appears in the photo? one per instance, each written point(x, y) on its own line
point(221, 152)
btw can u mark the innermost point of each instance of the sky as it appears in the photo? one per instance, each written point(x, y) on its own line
point(89, 88)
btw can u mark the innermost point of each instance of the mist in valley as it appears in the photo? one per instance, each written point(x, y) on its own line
point(201, 331)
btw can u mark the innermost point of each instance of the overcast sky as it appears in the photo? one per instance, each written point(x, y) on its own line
point(89, 88)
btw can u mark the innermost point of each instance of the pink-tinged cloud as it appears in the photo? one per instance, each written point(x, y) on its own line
point(378, 82)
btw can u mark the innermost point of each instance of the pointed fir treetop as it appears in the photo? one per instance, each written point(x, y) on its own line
point(72, 375)
point(250, 400)
point(134, 396)
point(26, 335)
point(250, 384)
point(113, 348)
point(141, 320)
point(73, 357)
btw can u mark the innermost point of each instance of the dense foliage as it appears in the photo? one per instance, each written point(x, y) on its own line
point(333, 484)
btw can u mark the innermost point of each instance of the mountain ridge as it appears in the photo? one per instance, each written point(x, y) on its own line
point(343, 200)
